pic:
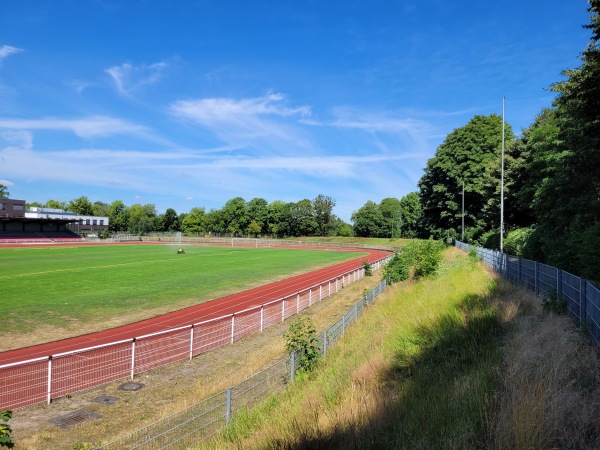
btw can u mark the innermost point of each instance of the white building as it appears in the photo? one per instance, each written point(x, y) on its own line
point(81, 224)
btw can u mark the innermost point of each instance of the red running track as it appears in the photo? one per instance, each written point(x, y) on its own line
point(195, 314)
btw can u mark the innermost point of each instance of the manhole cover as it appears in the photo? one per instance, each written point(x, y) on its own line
point(105, 400)
point(74, 418)
point(131, 386)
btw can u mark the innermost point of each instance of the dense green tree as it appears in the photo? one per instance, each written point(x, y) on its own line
point(234, 215)
point(141, 218)
point(100, 209)
point(278, 218)
point(302, 219)
point(170, 221)
point(391, 211)
point(55, 204)
point(118, 216)
point(4, 191)
point(81, 206)
point(368, 221)
point(465, 156)
point(323, 207)
point(258, 212)
point(411, 220)
point(194, 222)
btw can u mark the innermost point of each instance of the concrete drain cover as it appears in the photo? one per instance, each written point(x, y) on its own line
point(105, 400)
point(131, 386)
point(74, 418)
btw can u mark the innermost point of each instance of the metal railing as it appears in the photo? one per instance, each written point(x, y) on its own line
point(200, 422)
point(582, 297)
point(43, 379)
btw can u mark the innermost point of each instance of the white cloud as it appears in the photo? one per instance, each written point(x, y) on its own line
point(129, 78)
point(7, 50)
point(263, 122)
point(7, 183)
point(94, 126)
point(18, 138)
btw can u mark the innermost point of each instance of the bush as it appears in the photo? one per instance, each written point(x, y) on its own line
point(422, 256)
point(516, 241)
point(5, 439)
point(301, 339)
point(368, 269)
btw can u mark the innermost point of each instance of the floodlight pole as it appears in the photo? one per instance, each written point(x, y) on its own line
point(462, 229)
point(502, 186)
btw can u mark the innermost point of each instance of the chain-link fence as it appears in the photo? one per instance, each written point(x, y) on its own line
point(201, 421)
point(582, 298)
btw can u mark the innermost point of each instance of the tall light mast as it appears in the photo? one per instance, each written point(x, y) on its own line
point(502, 186)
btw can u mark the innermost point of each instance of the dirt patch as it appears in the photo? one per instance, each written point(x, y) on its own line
point(171, 388)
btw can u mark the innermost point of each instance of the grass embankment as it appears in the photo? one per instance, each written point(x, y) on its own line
point(455, 361)
point(53, 292)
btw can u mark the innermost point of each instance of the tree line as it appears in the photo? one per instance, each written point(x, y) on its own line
point(237, 217)
point(551, 178)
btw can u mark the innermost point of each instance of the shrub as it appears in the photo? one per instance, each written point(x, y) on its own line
point(422, 256)
point(368, 269)
point(301, 339)
point(516, 241)
point(5, 439)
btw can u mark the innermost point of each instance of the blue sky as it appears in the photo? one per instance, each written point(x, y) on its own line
point(191, 103)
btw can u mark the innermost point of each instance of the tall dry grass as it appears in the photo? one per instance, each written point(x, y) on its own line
point(550, 391)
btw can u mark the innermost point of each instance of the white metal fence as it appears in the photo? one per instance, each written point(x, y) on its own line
point(582, 297)
point(200, 422)
point(43, 379)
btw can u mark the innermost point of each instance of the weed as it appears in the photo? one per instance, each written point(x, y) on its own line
point(301, 339)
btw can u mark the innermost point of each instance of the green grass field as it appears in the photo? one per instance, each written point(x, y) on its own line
point(60, 286)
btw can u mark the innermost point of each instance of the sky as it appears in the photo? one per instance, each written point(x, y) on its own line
point(191, 103)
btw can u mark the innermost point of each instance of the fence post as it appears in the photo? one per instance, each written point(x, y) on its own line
point(329, 289)
point(558, 284)
point(132, 358)
point(262, 314)
point(320, 292)
point(282, 309)
point(232, 327)
point(298, 303)
point(292, 366)
point(228, 406)
point(192, 341)
point(324, 342)
point(309, 296)
point(537, 278)
point(582, 300)
point(519, 271)
point(49, 390)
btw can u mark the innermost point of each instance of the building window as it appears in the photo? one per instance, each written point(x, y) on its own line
point(95, 222)
point(87, 222)
point(101, 222)
point(2, 206)
point(17, 207)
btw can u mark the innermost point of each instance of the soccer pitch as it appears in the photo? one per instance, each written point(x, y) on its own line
point(65, 286)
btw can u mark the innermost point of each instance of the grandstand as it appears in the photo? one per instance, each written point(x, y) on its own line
point(43, 225)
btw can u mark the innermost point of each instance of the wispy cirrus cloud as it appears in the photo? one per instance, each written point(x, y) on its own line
point(129, 79)
point(7, 50)
point(89, 127)
point(260, 122)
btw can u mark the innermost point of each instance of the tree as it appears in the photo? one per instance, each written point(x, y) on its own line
point(100, 209)
point(118, 216)
point(302, 219)
point(170, 221)
point(391, 211)
point(4, 191)
point(411, 221)
point(465, 156)
point(141, 218)
point(55, 204)
point(81, 206)
point(235, 215)
point(278, 218)
point(368, 221)
point(258, 213)
point(194, 222)
point(323, 207)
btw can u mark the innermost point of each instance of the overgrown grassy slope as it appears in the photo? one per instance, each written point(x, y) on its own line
point(429, 366)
